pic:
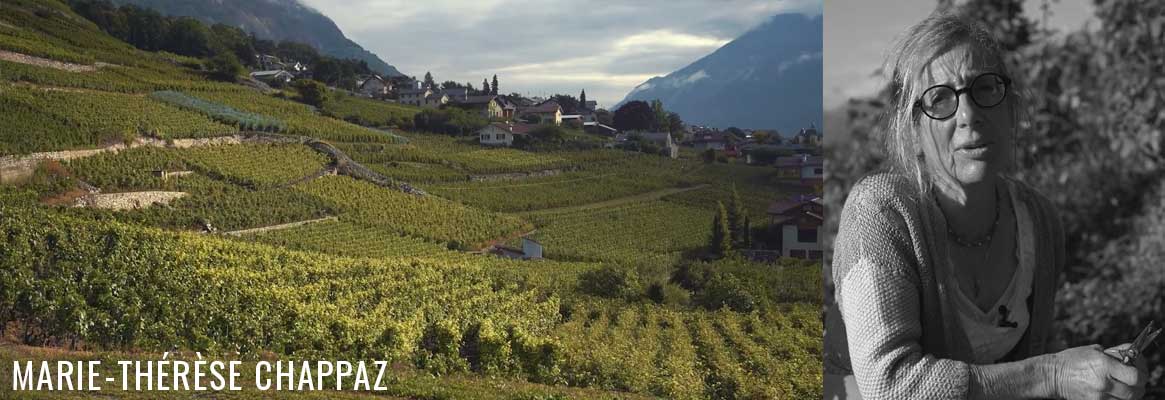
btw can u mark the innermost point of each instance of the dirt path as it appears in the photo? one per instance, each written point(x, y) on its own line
point(278, 227)
point(44, 62)
point(656, 195)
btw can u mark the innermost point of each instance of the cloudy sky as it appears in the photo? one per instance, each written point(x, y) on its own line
point(550, 46)
point(859, 32)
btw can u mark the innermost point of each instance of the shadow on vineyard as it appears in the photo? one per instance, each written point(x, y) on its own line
point(1093, 145)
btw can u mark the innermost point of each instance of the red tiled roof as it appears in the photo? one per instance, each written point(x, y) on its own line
point(779, 207)
point(517, 129)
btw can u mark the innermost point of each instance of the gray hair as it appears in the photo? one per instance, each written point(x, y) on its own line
point(921, 44)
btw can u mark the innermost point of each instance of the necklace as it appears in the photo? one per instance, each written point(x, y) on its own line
point(981, 241)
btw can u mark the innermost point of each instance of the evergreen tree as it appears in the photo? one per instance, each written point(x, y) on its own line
point(582, 99)
point(736, 218)
point(720, 243)
point(429, 83)
point(485, 89)
point(493, 89)
point(747, 240)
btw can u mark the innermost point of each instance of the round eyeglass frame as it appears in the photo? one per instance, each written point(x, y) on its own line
point(958, 92)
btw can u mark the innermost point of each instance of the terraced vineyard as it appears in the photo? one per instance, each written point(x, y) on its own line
point(353, 240)
point(425, 217)
point(257, 165)
point(300, 119)
point(643, 230)
point(693, 355)
point(392, 276)
point(370, 112)
point(40, 119)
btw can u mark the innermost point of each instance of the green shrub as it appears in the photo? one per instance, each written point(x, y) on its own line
point(610, 282)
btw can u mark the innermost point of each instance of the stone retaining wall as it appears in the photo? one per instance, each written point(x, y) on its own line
point(514, 176)
point(279, 227)
point(128, 200)
point(19, 167)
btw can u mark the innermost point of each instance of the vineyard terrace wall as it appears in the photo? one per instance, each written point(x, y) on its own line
point(128, 200)
point(17, 168)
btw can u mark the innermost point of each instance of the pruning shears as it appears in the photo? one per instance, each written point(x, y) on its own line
point(1130, 354)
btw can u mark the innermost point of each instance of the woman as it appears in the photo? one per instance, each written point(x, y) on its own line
point(945, 269)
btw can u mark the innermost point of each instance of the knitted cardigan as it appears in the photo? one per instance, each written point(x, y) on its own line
point(892, 325)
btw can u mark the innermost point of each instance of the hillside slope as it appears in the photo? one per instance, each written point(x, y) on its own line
point(770, 77)
point(273, 19)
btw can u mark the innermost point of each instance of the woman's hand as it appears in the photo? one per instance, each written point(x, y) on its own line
point(1091, 372)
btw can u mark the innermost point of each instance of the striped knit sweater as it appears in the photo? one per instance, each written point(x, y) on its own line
point(892, 325)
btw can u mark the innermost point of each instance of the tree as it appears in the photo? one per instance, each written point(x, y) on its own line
point(582, 98)
point(429, 83)
point(225, 67)
point(311, 92)
point(675, 124)
point(633, 116)
point(451, 85)
point(568, 103)
point(231, 39)
point(493, 89)
point(604, 117)
point(549, 134)
point(736, 217)
point(147, 28)
point(720, 243)
point(659, 116)
point(188, 37)
point(485, 89)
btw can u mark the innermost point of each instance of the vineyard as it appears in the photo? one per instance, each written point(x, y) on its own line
point(41, 120)
point(624, 303)
point(426, 217)
point(352, 240)
point(257, 166)
point(643, 230)
point(370, 112)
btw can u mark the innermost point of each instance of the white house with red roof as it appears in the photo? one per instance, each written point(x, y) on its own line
point(503, 133)
point(799, 219)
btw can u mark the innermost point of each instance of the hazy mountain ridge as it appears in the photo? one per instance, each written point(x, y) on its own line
point(769, 77)
point(273, 19)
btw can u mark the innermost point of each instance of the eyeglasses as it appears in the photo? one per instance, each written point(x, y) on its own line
point(941, 101)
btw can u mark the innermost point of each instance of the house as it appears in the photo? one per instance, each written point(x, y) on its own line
point(509, 107)
point(572, 119)
point(591, 105)
point(804, 169)
point(374, 86)
point(455, 94)
point(487, 106)
point(594, 127)
point(799, 220)
point(268, 62)
point(531, 250)
point(808, 137)
point(715, 140)
point(503, 133)
point(422, 98)
point(273, 77)
point(548, 112)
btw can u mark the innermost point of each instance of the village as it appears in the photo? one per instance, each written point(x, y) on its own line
point(513, 118)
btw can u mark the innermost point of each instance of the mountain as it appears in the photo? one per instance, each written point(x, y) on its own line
point(275, 20)
point(770, 77)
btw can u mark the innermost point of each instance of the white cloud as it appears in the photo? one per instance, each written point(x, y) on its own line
point(698, 75)
point(559, 46)
point(799, 60)
point(665, 38)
